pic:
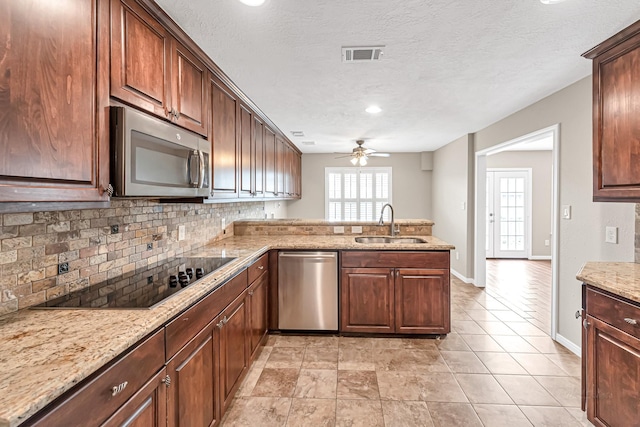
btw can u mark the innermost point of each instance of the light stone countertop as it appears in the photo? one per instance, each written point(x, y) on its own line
point(619, 278)
point(322, 222)
point(44, 353)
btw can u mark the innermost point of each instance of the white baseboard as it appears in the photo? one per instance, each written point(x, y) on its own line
point(570, 345)
point(461, 277)
point(540, 258)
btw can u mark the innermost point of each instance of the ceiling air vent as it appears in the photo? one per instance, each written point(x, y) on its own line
point(361, 53)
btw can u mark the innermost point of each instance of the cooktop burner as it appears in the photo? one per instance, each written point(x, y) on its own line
point(141, 288)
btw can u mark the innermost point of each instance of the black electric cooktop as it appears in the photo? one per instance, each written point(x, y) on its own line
point(142, 288)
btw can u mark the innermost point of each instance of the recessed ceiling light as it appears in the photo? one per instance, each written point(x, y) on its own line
point(373, 109)
point(253, 2)
point(297, 133)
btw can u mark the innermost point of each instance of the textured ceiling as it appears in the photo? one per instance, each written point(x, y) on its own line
point(449, 67)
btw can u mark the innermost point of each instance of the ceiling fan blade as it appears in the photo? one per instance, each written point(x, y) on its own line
point(342, 157)
point(369, 150)
point(379, 155)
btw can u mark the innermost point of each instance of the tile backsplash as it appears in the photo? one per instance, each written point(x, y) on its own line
point(100, 244)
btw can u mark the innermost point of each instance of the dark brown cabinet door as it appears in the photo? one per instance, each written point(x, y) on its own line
point(270, 172)
point(140, 58)
point(192, 395)
point(257, 297)
point(281, 166)
point(224, 140)
point(366, 300)
point(258, 168)
point(613, 375)
point(190, 95)
point(233, 341)
point(616, 122)
point(422, 301)
point(53, 130)
point(247, 154)
point(147, 408)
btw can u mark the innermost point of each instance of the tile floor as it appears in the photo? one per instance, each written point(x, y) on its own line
point(494, 369)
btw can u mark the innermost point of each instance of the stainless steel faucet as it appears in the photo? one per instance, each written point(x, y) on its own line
point(394, 231)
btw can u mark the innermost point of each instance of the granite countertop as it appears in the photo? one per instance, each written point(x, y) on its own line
point(309, 222)
point(619, 278)
point(44, 353)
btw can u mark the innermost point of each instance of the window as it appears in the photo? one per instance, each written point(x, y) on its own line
point(356, 194)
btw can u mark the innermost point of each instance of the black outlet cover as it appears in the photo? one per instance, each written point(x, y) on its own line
point(115, 229)
point(149, 246)
point(63, 268)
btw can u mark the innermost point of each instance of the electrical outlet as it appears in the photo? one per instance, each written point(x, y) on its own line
point(356, 229)
point(115, 229)
point(338, 229)
point(149, 246)
point(63, 268)
point(182, 232)
point(457, 255)
point(611, 235)
point(223, 223)
point(546, 242)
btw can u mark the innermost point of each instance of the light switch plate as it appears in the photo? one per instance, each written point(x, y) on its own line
point(566, 211)
point(611, 235)
point(182, 233)
point(338, 229)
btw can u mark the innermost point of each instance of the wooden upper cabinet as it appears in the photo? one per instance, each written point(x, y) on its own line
point(246, 153)
point(53, 131)
point(224, 140)
point(270, 172)
point(151, 70)
point(140, 58)
point(190, 92)
point(616, 117)
point(258, 168)
point(281, 165)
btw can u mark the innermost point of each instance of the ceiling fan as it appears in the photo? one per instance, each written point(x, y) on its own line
point(360, 154)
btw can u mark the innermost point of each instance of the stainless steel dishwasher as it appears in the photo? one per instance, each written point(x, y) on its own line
point(308, 291)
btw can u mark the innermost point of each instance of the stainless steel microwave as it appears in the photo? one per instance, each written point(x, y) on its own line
point(152, 158)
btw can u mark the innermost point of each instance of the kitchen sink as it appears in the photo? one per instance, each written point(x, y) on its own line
point(386, 239)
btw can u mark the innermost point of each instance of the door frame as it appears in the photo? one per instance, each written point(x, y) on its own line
point(480, 262)
point(529, 207)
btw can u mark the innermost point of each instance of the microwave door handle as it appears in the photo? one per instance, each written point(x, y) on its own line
point(202, 169)
point(190, 164)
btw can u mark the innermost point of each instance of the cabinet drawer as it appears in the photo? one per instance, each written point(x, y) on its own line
point(614, 312)
point(257, 268)
point(184, 327)
point(99, 398)
point(397, 259)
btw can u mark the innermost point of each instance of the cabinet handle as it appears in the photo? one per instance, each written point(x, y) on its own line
point(261, 267)
point(225, 320)
point(166, 380)
point(631, 321)
point(251, 292)
point(585, 324)
point(176, 114)
point(220, 324)
point(117, 389)
point(397, 273)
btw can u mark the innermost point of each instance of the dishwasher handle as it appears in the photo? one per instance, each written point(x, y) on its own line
point(327, 255)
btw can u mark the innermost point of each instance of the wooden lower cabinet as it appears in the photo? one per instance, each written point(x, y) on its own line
point(422, 301)
point(232, 337)
point(408, 294)
point(257, 301)
point(613, 360)
point(192, 395)
point(366, 300)
point(147, 408)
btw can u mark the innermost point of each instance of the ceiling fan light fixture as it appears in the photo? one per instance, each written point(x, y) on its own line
point(253, 3)
point(363, 161)
point(373, 109)
point(354, 160)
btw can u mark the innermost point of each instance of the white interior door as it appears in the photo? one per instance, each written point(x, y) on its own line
point(489, 215)
point(508, 214)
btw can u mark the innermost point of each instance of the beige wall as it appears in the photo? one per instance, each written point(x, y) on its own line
point(582, 237)
point(411, 189)
point(452, 201)
point(540, 163)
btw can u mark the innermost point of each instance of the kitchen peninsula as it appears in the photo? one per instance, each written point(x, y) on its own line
point(48, 353)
